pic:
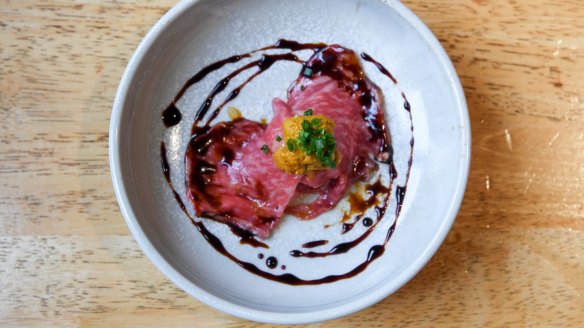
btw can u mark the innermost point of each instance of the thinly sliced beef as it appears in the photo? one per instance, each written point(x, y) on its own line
point(335, 94)
point(231, 179)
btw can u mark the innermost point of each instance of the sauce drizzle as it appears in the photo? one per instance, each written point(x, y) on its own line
point(316, 243)
point(380, 67)
point(247, 238)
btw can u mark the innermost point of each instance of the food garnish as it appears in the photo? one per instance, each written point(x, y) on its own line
point(265, 149)
point(309, 144)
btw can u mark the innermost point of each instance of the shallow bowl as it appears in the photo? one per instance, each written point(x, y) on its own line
point(194, 34)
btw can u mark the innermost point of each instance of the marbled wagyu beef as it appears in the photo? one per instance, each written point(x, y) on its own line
point(231, 176)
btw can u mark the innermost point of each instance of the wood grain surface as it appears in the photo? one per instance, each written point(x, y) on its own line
point(513, 258)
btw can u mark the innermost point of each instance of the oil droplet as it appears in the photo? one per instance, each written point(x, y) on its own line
point(234, 113)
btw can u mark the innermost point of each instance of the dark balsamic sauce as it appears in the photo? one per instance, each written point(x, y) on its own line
point(346, 246)
point(380, 67)
point(360, 205)
point(166, 171)
point(171, 116)
point(316, 243)
point(295, 46)
point(366, 94)
point(346, 227)
point(271, 262)
point(400, 191)
point(265, 62)
point(287, 278)
point(367, 222)
point(205, 71)
point(246, 237)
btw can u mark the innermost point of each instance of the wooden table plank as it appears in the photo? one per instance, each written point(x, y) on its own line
point(513, 258)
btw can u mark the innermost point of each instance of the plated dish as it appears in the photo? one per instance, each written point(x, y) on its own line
point(229, 198)
point(329, 134)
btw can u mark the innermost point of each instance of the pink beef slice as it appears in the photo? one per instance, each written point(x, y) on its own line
point(231, 180)
point(336, 99)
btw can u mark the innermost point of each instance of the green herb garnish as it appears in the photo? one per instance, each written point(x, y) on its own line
point(307, 72)
point(265, 149)
point(278, 138)
point(291, 144)
point(315, 141)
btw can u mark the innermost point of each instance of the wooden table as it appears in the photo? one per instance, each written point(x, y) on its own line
point(513, 258)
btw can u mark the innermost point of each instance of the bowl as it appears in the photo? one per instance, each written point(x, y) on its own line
point(194, 34)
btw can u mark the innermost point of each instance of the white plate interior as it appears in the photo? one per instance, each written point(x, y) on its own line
point(197, 33)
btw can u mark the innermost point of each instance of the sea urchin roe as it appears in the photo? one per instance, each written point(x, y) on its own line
point(307, 144)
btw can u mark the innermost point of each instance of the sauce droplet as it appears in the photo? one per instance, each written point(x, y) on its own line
point(260, 256)
point(272, 262)
point(246, 237)
point(171, 116)
point(367, 222)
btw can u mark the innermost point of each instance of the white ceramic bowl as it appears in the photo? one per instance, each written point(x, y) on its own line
point(194, 34)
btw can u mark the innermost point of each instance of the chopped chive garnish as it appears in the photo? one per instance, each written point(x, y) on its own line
point(265, 149)
point(319, 144)
point(330, 163)
point(291, 145)
point(278, 138)
point(315, 141)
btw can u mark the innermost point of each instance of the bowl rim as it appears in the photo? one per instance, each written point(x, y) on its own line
point(268, 316)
